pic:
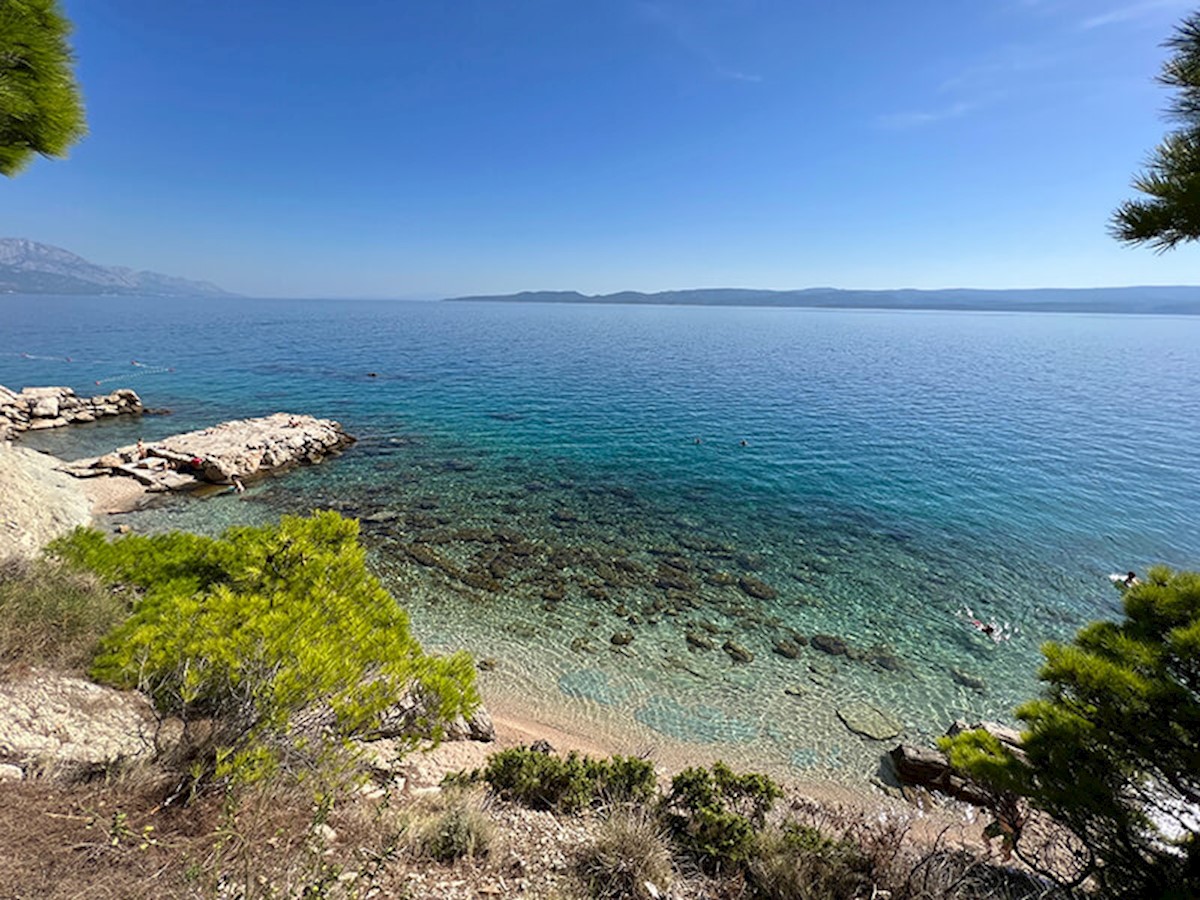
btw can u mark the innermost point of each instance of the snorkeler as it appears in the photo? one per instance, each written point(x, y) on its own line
point(1124, 582)
point(992, 629)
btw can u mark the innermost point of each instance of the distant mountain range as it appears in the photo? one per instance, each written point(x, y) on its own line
point(27, 267)
point(1144, 300)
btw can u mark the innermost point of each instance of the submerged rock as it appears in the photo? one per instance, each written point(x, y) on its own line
point(757, 589)
point(788, 648)
point(699, 641)
point(831, 644)
point(737, 652)
point(867, 720)
point(967, 680)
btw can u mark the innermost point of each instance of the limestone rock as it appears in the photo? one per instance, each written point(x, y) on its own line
point(66, 725)
point(38, 408)
point(864, 719)
point(37, 502)
point(240, 449)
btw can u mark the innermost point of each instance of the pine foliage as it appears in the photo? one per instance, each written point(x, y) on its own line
point(278, 634)
point(1112, 747)
point(1170, 212)
point(40, 107)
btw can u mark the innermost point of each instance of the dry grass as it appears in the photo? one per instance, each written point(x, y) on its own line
point(53, 616)
point(447, 827)
point(799, 863)
point(123, 840)
point(631, 850)
point(909, 867)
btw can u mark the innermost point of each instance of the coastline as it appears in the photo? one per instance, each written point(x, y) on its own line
point(520, 717)
point(518, 721)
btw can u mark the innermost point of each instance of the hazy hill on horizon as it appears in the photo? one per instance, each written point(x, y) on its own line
point(1158, 300)
point(29, 267)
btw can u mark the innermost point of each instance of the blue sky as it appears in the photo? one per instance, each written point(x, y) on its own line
point(394, 148)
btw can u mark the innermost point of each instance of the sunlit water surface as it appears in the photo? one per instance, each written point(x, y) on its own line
point(535, 480)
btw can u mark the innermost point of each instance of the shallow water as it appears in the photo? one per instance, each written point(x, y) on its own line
point(535, 480)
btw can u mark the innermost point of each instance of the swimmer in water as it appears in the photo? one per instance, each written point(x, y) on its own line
point(992, 629)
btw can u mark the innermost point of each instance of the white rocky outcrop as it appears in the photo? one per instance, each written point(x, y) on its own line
point(52, 723)
point(35, 408)
point(241, 449)
point(37, 502)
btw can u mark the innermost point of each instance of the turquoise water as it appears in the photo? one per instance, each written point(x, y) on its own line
point(534, 480)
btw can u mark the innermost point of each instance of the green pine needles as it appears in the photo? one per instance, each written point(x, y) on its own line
point(275, 637)
point(1112, 747)
point(1169, 212)
point(40, 108)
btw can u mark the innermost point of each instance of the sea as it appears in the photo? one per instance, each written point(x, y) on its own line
point(694, 532)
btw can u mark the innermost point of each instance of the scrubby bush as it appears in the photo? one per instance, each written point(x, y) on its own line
point(798, 862)
point(274, 636)
point(713, 814)
point(51, 615)
point(631, 850)
point(449, 827)
point(566, 783)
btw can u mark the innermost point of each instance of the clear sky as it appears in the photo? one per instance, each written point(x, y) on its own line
point(408, 148)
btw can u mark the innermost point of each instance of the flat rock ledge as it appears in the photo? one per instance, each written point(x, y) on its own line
point(36, 408)
point(241, 449)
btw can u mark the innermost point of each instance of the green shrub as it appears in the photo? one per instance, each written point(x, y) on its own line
point(798, 862)
point(714, 814)
point(53, 616)
point(264, 628)
point(566, 783)
point(449, 827)
point(631, 850)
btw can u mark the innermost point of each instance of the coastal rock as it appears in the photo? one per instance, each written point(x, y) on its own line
point(39, 408)
point(868, 721)
point(622, 638)
point(411, 716)
point(241, 449)
point(66, 726)
point(1009, 737)
point(37, 502)
point(929, 768)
